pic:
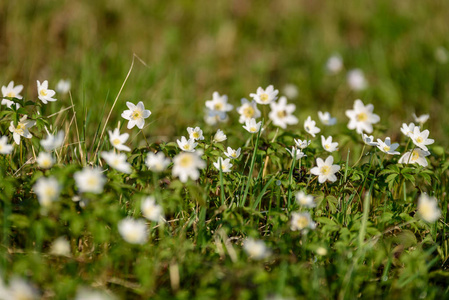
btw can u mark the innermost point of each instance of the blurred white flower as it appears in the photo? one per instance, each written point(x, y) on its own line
point(356, 80)
point(136, 115)
point(133, 231)
point(84, 293)
point(310, 126)
point(441, 55)
point(305, 200)
point(187, 145)
point(6, 148)
point(151, 210)
point(417, 156)
point(219, 103)
point(326, 118)
point(334, 64)
point(421, 119)
point(428, 208)
point(281, 113)
point(117, 140)
point(421, 138)
point(52, 142)
point(63, 86)
point(19, 289)
point(301, 221)
point(233, 154)
point(302, 143)
point(195, 133)
point(225, 165)
point(248, 110)
point(290, 90)
point(13, 92)
point(45, 160)
point(44, 93)
point(117, 161)
point(60, 246)
point(325, 170)
point(90, 180)
point(157, 162)
point(256, 249)
point(295, 152)
point(219, 136)
point(21, 129)
point(407, 130)
point(186, 164)
point(265, 96)
point(328, 145)
point(251, 125)
point(362, 118)
point(213, 117)
point(369, 140)
point(321, 251)
point(387, 146)
point(47, 190)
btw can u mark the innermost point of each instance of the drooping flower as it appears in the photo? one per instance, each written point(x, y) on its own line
point(63, 86)
point(265, 96)
point(21, 129)
point(6, 148)
point(387, 146)
point(225, 165)
point(233, 154)
point(368, 140)
point(362, 118)
point(12, 92)
point(117, 140)
point(296, 153)
point(290, 90)
point(151, 210)
point(133, 231)
point(90, 180)
point(421, 119)
point(328, 145)
point(117, 161)
point(251, 126)
point(44, 93)
point(281, 113)
point(428, 208)
point(136, 115)
point(356, 80)
point(302, 221)
point(219, 104)
point(310, 127)
point(45, 160)
point(195, 133)
point(305, 200)
point(157, 162)
point(417, 156)
point(47, 190)
point(248, 110)
point(302, 144)
point(326, 118)
point(256, 249)
point(187, 145)
point(325, 170)
point(186, 164)
point(52, 142)
point(421, 138)
point(407, 130)
point(219, 136)
point(334, 64)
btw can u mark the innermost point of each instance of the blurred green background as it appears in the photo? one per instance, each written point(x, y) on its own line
point(193, 48)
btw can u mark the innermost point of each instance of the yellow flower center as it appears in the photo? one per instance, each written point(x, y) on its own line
point(253, 129)
point(1, 147)
point(362, 117)
point(325, 170)
point(92, 181)
point(20, 128)
point(186, 147)
point(419, 140)
point(116, 142)
point(43, 92)
point(46, 163)
point(49, 192)
point(415, 156)
point(282, 114)
point(11, 94)
point(136, 115)
point(386, 148)
point(327, 146)
point(195, 135)
point(264, 97)
point(233, 154)
point(248, 112)
point(186, 161)
point(302, 222)
point(218, 106)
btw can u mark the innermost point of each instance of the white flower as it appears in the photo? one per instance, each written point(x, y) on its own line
point(225, 165)
point(421, 138)
point(117, 140)
point(362, 118)
point(214, 117)
point(321, 251)
point(325, 170)
point(195, 133)
point(407, 130)
point(44, 93)
point(328, 145)
point(356, 80)
point(334, 64)
point(90, 180)
point(117, 161)
point(45, 160)
point(21, 129)
point(151, 210)
point(256, 249)
point(12, 92)
point(53, 141)
point(63, 86)
point(428, 208)
point(281, 113)
point(326, 118)
point(47, 190)
point(186, 164)
point(136, 114)
point(187, 145)
point(387, 146)
point(441, 55)
point(301, 221)
point(310, 127)
point(265, 96)
point(302, 143)
point(421, 119)
point(219, 103)
point(5, 148)
point(290, 90)
point(19, 289)
point(219, 136)
point(84, 293)
point(251, 125)
point(60, 246)
point(369, 140)
point(133, 231)
point(233, 154)
point(157, 162)
point(248, 110)
point(295, 152)
point(305, 200)
point(417, 156)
